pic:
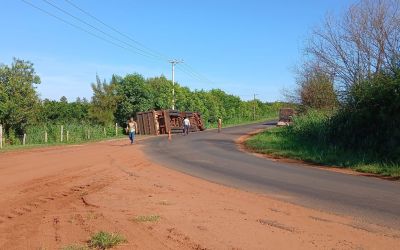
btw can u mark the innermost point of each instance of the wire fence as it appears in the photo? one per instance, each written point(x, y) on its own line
point(77, 133)
point(56, 134)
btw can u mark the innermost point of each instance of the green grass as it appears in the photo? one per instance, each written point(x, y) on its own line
point(105, 240)
point(75, 247)
point(147, 218)
point(77, 133)
point(236, 122)
point(32, 146)
point(283, 143)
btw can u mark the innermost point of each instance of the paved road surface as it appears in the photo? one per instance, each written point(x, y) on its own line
point(215, 157)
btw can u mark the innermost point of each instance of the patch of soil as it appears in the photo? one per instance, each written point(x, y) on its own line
point(52, 198)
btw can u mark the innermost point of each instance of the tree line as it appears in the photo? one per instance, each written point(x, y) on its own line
point(113, 101)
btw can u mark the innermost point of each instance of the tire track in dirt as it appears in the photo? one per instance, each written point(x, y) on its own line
point(34, 200)
point(106, 186)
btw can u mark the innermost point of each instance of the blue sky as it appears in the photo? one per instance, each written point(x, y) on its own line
point(242, 47)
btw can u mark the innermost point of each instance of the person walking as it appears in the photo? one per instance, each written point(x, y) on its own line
point(186, 126)
point(131, 129)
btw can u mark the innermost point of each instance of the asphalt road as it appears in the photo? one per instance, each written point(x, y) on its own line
point(215, 157)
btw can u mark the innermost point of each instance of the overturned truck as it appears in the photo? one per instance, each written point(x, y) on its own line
point(162, 121)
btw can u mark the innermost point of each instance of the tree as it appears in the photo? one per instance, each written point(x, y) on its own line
point(161, 92)
point(134, 96)
point(63, 99)
point(315, 89)
point(370, 123)
point(362, 43)
point(104, 102)
point(61, 112)
point(18, 97)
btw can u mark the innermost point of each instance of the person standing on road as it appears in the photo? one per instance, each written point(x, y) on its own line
point(219, 125)
point(186, 126)
point(131, 129)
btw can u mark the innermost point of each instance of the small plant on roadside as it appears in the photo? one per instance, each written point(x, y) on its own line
point(75, 247)
point(92, 216)
point(164, 203)
point(104, 240)
point(146, 218)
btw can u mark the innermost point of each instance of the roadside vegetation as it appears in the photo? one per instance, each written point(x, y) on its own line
point(104, 240)
point(147, 218)
point(348, 94)
point(75, 247)
point(101, 240)
point(114, 101)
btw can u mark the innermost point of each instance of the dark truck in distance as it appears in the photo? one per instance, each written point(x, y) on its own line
point(285, 116)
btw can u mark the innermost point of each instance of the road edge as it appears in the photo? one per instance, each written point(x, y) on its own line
point(240, 144)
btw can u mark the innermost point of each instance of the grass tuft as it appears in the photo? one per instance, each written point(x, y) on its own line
point(105, 240)
point(75, 247)
point(147, 218)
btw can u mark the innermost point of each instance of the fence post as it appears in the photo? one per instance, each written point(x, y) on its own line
point(62, 133)
point(45, 136)
point(67, 135)
point(1, 136)
point(24, 140)
point(116, 129)
point(104, 131)
point(88, 134)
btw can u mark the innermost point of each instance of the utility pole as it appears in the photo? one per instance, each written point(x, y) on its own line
point(173, 62)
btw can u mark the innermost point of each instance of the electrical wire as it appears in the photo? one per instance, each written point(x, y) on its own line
point(189, 70)
point(117, 31)
point(146, 52)
point(142, 52)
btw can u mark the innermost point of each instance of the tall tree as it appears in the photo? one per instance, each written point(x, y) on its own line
point(362, 43)
point(18, 97)
point(315, 88)
point(161, 92)
point(134, 96)
point(63, 99)
point(104, 102)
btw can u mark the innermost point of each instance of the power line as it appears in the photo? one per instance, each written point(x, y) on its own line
point(189, 70)
point(202, 77)
point(142, 52)
point(73, 25)
point(151, 54)
point(117, 31)
point(189, 73)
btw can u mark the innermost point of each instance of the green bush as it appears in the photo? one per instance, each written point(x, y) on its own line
point(369, 122)
point(363, 134)
point(105, 240)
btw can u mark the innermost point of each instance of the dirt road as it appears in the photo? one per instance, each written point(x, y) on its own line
point(55, 197)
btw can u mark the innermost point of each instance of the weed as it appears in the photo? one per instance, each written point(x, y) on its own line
point(75, 247)
point(92, 216)
point(164, 203)
point(147, 218)
point(105, 240)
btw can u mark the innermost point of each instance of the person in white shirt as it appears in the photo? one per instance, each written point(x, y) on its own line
point(186, 126)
